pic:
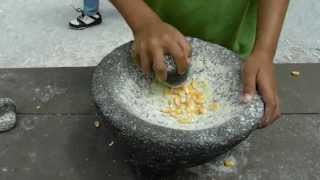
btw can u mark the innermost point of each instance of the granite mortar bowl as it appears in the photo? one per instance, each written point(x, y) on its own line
point(161, 147)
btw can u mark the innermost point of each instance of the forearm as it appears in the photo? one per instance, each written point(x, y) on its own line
point(270, 20)
point(135, 12)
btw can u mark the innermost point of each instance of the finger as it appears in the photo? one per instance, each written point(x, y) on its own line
point(275, 115)
point(268, 113)
point(249, 82)
point(267, 93)
point(277, 112)
point(185, 46)
point(135, 54)
point(179, 56)
point(159, 66)
point(145, 63)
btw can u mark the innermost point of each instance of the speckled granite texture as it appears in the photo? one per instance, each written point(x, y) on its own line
point(158, 146)
point(7, 114)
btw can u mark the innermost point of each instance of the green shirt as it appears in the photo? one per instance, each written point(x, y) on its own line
point(230, 23)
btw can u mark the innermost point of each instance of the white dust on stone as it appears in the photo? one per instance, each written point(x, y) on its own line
point(147, 103)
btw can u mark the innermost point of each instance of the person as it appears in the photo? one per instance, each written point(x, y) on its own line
point(251, 28)
point(89, 17)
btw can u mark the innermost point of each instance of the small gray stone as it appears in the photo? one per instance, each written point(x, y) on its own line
point(7, 114)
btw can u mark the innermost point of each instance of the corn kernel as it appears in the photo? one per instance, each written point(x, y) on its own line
point(174, 115)
point(295, 73)
point(186, 102)
point(194, 84)
point(181, 93)
point(166, 110)
point(229, 163)
point(178, 111)
point(183, 100)
point(215, 106)
point(202, 110)
point(190, 89)
point(199, 101)
point(177, 101)
point(185, 121)
point(167, 92)
point(205, 83)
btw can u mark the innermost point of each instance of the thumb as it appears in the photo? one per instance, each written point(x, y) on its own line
point(249, 85)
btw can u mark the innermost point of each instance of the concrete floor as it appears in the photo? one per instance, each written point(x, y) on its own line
point(56, 139)
point(34, 33)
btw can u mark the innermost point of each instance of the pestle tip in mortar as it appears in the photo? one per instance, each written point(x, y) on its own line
point(174, 79)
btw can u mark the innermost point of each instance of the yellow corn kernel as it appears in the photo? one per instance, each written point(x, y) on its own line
point(193, 95)
point(199, 100)
point(177, 101)
point(187, 91)
point(215, 106)
point(190, 89)
point(196, 92)
point(189, 102)
point(166, 110)
point(202, 110)
point(205, 83)
point(200, 95)
point(229, 163)
point(183, 100)
point(173, 91)
point(190, 109)
point(182, 106)
point(192, 114)
point(194, 84)
point(174, 115)
point(178, 111)
point(171, 102)
point(185, 121)
point(295, 73)
point(167, 92)
point(181, 93)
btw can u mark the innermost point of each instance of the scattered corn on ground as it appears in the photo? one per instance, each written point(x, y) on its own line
point(187, 102)
point(295, 73)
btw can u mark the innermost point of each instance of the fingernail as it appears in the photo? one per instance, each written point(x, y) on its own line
point(264, 123)
point(189, 61)
point(246, 98)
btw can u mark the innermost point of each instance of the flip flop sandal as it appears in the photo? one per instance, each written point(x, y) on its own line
point(85, 21)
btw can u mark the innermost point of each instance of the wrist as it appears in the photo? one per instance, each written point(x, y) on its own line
point(263, 55)
point(144, 22)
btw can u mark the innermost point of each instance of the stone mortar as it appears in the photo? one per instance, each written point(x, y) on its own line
point(160, 146)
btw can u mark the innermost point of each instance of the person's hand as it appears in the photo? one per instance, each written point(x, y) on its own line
point(155, 39)
point(258, 72)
